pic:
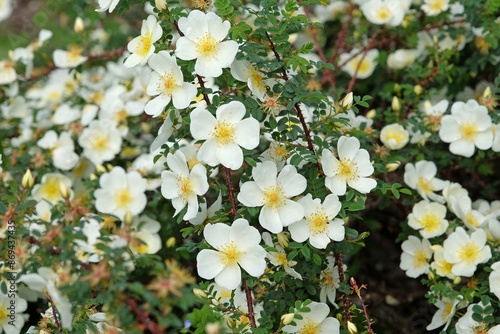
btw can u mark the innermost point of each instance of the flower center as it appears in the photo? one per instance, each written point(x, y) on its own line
point(468, 131)
point(396, 136)
point(100, 143)
point(471, 219)
point(430, 222)
point(437, 5)
point(50, 189)
point(469, 252)
point(139, 246)
point(144, 44)
point(308, 328)
point(317, 222)
point(419, 258)
point(274, 197)
point(169, 83)
point(328, 278)
point(383, 14)
point(185, 187)
point(447, 310)
point(224, 133)
point(281, 259)
point(362, 65)
point(347, 170)
point(425, 185)
point(230, 254)
point(206, 46)
point(123, 198)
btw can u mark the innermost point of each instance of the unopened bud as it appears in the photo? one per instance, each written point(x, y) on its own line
point(397, 88)
point(457, 280)
point(100, 169)
point(435, 248)
point(27, 180)
point(109, 166)
point(371, 114)
point(200, 293)
point(287, 318)
point(396, 105)
point(347, 101)
point(212, 328)
point(128, 218)
point(352, 328)
point(392, 166)
point(229, 321)
point(79, 26)
point(170, 242)
point(93, 177)
point(160, 5)
point(283, 239)
point(487, 92)
point(427, 104)
point(405, 24)
point(418, 89)
point(64, 191)
point(431, 276)
point(435, 40)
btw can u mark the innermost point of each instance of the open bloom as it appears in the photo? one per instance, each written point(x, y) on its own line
point(11, 317)
point(107, 5)
point(422, 178)
point(183, 187)
point(237, 245)
point(49, 188)
point(494, 279)
point(316, 321)
point(428, 219)
point(62, 149)
point(202, 40)
point(440, 265)
point(352, 167)
point(415, 257)
point(242, 70)
point(435, 7)
point(121, 192)
point(319, 225)
point(402, 58)
point(330, 282)
point(279, 258)
point(272, 192)
point(69, 59)
point(394, 136)
point(168, 83)
point(224, 134)
point(388, 12)
point(360, 66)
point(101, 141)
point(446, 310)
point(468, 127)
point(142, 46)
point(466, 251)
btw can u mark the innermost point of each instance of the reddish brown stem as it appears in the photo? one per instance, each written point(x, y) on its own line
point(143, 317)
point(296, 107)
point(345, 299)
point(317, 46)
point(54, 313)
point(248, 293)
point(234, 209)
point(365, 52)
point(357, 290)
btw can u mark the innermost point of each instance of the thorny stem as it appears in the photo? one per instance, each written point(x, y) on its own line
point(248, 293)
point(357, 290)
point(365, 52)
point(317, 46)
point(298, 111)
point(143, 317)
point(54, 313)
point(345, 299)
point(231, 191)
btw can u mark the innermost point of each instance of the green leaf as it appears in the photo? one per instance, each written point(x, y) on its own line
point(306, 252)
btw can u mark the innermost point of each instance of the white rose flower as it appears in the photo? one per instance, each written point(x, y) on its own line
point(183, 187)
point(224, 134)
point(466, 252)
point(315, 321)
point(429, 219)
point(202, 40)
point(415, 257)
point(101, 141)
point(142, 46)
point(319, 225)
point(272, 191)
point(237, 245)
point(468, 127)
point(352, 168)
point(168, 83)
point(394, 136)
